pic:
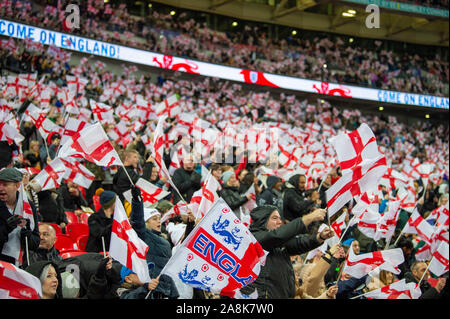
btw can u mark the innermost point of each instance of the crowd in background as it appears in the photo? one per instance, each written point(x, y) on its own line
point(250, 48)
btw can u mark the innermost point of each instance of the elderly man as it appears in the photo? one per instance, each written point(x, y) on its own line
point(186, 179)
point(16, 233)
point(46, 250)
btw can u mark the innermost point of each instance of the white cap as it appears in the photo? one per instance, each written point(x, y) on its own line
point(176, 231)
point(150, 212)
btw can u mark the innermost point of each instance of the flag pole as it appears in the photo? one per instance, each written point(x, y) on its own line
point(104, 247)
point(26, 250)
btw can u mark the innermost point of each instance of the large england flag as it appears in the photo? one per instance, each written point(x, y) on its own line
point(220, 255)
point(16, 283)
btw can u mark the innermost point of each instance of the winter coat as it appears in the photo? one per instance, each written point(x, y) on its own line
point(232, 197)
point(270, 196)
point(294, 204)
point(70, 202)
point(33, 241)
point(42, 254)
point(159, 250)
point(276, 279)
point(51, 209)
point(187, 183)
point(99, 226)
point(36, 270)
point(92, 284)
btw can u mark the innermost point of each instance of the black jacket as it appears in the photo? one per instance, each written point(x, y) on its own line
point(276, 279)
point(99, 226)
point(70, 202)
point(42, 254)
point(294, 204)
point(232, 197)
point(51, 209)
point(121, 181)
point(33, 240)
point(428, 292)
point(186, 182)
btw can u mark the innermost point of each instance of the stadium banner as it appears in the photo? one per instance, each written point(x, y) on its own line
point(138, 56)
point(407, 7)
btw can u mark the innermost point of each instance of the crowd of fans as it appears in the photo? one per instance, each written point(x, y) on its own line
point(250, 48)
point(297, 200)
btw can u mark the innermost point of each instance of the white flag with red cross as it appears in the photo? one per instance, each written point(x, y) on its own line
point(150, 193)
point(77, 172)
point(51, 175)
point(339, 225)
point(220, 255)
point(203, 199)
point(92, 144)
point(417, 225)
point(76, 84)
point(16, 86)
point(103, 113)
point(170, 107)
point(180, 208)
point(439, 264)
point(72, 127)
point(360, 265)
point(354, 182)
point(388, 221)
point(355, 147)
point(397, 290)
point(125, 245)
point(42, 123)
point(16, 283)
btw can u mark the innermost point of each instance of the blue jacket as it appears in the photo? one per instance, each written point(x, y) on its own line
point(159, 250)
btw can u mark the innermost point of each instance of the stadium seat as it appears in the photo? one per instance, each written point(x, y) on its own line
point(76, 230)
point(55, 227)
point(71, 217)
point(82, 241)
point(67, 254)
point(84, 218)
point(64, 242)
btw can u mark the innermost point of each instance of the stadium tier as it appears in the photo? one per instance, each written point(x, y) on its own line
point(145, 154)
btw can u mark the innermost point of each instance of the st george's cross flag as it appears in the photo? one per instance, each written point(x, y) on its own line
point(180, 208)
point(360, 265)
point(16, 283)
point(42, 123)
point(150, 193)
point(51, 175)
point(203, 199)
point(77, 172)
point(71, 127)
point(125, 245)
point(220, 255)
point(439, 264)
point(418, 225)
point(170, 107)
point(397, 290)
point(92, 144)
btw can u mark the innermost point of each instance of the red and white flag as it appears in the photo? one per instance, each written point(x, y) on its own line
point(251, 204)
point(439, 263)
point(355, 147)
point(354, 182)
point(51, 175)
point(72, 127)
point(42, 123)
point(170, 107)
point(397, 290)
point(417, 225)
point(16, 283)
point(150, 193)
point(125, 245)
point(92, 144)
point(102, 113)
point(220, 255)
point(77, 172)
point(360, 265)
point(388, 221)
point(203, 199)
point(339, 225)
point(180, 208)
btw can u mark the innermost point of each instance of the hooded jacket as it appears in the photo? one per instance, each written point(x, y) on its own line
point(276, 279)
point(232, 197)
point(36, 270)
point(294, 204)
point(99, 226)
point(270, 196)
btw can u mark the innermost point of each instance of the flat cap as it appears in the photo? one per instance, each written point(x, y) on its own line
point(10, 174)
